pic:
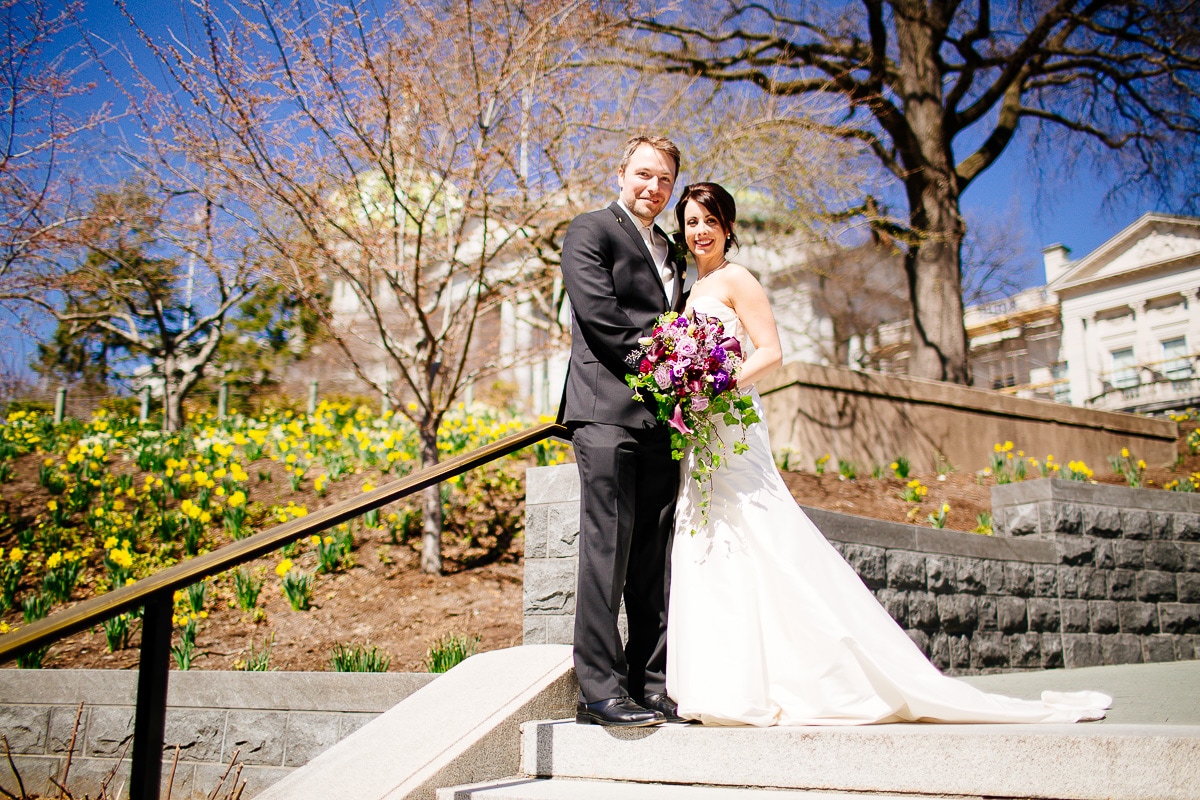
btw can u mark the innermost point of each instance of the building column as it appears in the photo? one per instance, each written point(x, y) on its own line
point(1081, 359)
point(1193, 331)
point(1192, 299)
point(1144, 346)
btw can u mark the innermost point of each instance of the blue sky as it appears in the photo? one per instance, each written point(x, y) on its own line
point(1049, 210)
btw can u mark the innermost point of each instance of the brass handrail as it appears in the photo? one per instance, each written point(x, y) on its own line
point(155, 593)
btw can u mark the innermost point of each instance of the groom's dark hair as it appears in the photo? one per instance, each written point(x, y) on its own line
point(659, 143)
point(716, 200)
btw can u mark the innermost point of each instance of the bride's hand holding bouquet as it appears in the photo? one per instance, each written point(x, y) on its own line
point(689, 365)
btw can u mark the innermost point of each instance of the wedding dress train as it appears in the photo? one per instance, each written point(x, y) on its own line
point(769, 625)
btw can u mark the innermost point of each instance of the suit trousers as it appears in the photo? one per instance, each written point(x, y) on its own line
point(628, 485)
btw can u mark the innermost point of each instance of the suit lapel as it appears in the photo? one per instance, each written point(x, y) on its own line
point(633, 230)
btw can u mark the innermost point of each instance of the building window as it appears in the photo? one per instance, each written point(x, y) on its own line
point(1176, 364)
point(1124, 369)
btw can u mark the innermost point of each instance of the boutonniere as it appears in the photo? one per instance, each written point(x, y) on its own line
point(679, 252)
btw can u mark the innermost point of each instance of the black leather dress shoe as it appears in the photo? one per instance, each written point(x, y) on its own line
point(665, 706)
point(619, 712)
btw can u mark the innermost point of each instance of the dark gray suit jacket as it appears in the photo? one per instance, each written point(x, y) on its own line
point(616, 295)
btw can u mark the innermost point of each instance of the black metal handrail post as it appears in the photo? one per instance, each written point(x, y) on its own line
point(150, 716)
point(155, 594)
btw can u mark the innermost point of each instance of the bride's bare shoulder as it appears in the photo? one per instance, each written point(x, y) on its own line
point(740, 279)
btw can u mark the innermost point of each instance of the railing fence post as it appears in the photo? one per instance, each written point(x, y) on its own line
point(150, 718)
point(312, 397)
point(144, 412)
point(223, 401)
point(60, 405)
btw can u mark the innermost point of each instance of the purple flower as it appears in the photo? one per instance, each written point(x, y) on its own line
point(662, 376)
point(731, 345)
point(676, 420)
point(699, 403)
point(721, 381)
point(686, 346)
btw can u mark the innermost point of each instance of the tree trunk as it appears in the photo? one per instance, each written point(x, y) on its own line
point(173, 411)
point(172, 401)
point(431, 508)
point(938, 349)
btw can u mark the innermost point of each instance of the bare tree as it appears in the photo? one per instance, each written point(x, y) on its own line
point(993, 259)
point(41, 59)
point(859, 289)
point(412, 165)
point(935, 90)
point(153, 283)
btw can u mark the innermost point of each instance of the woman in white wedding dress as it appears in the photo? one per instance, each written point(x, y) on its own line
point(768, 625)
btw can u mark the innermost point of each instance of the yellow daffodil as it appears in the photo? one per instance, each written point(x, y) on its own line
point(283, 567)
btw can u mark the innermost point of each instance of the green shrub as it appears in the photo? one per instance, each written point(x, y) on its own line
point(359, 658)
point(246, 588)
point(450, 650)
point(257, 660)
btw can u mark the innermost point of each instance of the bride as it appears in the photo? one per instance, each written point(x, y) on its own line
point(768, 625)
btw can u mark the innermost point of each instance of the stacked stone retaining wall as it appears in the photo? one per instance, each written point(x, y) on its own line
point(1128, 564)
point(276, 721)
point(973, 603)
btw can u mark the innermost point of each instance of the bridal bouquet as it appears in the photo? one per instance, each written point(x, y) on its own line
point(689, 366)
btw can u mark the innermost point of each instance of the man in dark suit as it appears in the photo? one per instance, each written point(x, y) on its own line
point(620, 276)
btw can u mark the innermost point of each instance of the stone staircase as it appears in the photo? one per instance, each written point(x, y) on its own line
point(564, 761)
point(493, 728)
point(1131, 756)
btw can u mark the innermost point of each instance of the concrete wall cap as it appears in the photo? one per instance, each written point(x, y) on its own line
point(916, 390)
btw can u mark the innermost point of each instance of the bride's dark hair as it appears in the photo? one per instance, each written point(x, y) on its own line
point(714, 199)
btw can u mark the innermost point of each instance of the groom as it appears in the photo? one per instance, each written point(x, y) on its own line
point(620, 277)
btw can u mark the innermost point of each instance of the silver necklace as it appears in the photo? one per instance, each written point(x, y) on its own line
point(724, 263)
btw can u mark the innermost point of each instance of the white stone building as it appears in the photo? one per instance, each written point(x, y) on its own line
point(1131, 316)
point(1117, 330)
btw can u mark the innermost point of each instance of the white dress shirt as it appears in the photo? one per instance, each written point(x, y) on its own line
point(659, 249)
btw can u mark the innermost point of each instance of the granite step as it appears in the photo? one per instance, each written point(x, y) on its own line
point(521, 788)
point(1049, 762)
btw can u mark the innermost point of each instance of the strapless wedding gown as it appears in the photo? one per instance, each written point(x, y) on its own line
point(769, 625)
